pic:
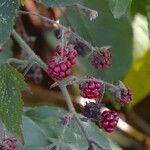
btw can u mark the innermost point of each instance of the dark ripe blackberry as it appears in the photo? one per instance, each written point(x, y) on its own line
point(91, 110)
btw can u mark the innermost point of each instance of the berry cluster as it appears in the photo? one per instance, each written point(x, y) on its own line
point(59, 66)
point(107, 120)
point(93, 89)
point(8, 144)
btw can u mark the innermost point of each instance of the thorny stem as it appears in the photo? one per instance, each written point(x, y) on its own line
point(63, 88)
point(72, 109)
point(102, 95)
point(92, 14)
point(63, 133)
point(59, 25)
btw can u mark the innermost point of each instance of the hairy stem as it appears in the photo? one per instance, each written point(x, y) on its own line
point(63, 133)
point(72, 109)
point(59, 25)
point(63, 88)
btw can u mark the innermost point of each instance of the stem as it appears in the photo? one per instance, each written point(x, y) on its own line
point(29, 51)
point(59, 25)
point(72, 109)
point(92, 14)
point(102, 95)
point(62, 134)
point(63, 88)
point(52, 145)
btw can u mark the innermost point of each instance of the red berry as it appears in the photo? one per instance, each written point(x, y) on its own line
point(91, 110)
point(101, 59)
point(9, 144)
point(125, 96)
point(91, 89)
point(109, 120)
point(68, 52)
point(59, 68)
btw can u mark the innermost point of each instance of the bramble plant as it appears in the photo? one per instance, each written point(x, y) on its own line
point(55, 126)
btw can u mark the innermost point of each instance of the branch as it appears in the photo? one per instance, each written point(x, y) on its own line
point(72, 109)
point(63, 88)
point(63, 132)
point(59, 25)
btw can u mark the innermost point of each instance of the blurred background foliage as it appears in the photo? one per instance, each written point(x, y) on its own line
point(124, 25)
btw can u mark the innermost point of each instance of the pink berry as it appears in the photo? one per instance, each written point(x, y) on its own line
point(101, 59)
point(68, 52)
point(109, 120)
point(91, 89)
point(58, 68)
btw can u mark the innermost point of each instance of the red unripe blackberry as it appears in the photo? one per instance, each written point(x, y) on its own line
point(9, 144)
point(101, 59)
point(125, 96)
point(91, 110)
point(109, 120)
point(91, 89)
point(68, 52)
point(59, 68)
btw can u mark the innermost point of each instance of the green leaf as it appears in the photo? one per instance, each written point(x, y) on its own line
point(11, 84)
point(7, 52)
point(103, 31)
point(119, 7)
point(7, 16)
point(48, 119)
point(138, 79)
point(34, 137)
point(59, 3)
